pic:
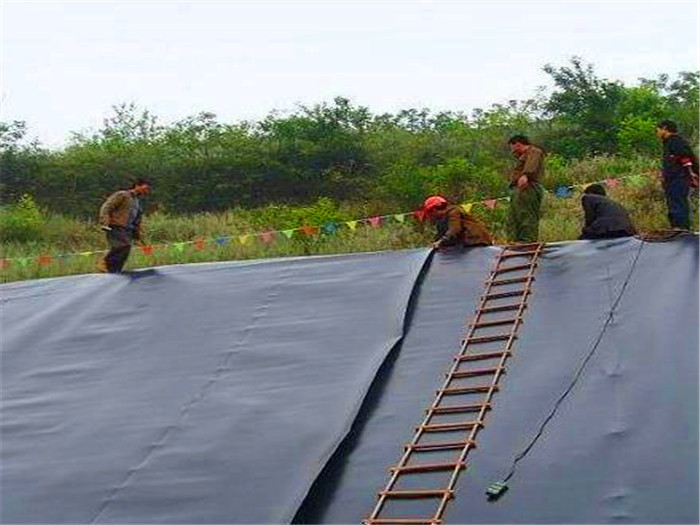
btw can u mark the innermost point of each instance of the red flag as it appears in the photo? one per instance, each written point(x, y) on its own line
point(4, 263)
point(612, 183)
point(309, 230)
point(146, 249)
point(268, 236)
point(44, 260)
point(375, 222)
point(199, 244)
point(491, 204)
point(419, 214)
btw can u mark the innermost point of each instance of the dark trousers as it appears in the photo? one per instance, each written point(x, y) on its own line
point(677, 189)
point(119, 240)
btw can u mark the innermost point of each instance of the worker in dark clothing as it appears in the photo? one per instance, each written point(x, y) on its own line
point(604, 218)
point(679, 171)
point(526, 192)
point(120, 218)
point(455, 227)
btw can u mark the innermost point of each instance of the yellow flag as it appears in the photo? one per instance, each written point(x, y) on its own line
point(467, 207)
point(244, 239)
point(352, 224)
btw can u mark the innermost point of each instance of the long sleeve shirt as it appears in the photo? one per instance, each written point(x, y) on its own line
point(530, 163)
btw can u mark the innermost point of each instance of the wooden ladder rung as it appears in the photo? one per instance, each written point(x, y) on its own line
point(524, 253)
point(524, 245)
point(417, 494)
point(488, 324)
point(428, 467)
point(503, 308)
point(482, 356)
point(401, 521)
point(516, 268)
point(461, 374)
point(515, 280)
point(489, 338)
point(463, 390)
point(440, 445)
point(459, 409)
point(503, 295)
point(448, 427)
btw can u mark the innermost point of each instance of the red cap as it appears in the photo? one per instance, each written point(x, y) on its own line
point(434, 202)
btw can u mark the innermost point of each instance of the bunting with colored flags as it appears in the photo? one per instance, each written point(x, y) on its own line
point(491, 204)
point(44, 260)
point(220, 241)
point(612, 183)
point(375, 222)
point(23, 261)
point(309, 230)
point(267, 236)
point(352, 225)
point(288, 233)
point(400, 217)
point(179, 246)
point(146, 249)
point(243, 239)
point(199, 244)
point(4, 263)
point(637, 181)
point(467, 207)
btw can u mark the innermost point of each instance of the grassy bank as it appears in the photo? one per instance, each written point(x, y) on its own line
point(561, 220)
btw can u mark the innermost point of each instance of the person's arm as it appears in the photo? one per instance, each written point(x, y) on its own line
point(112, 203)
point(589, 213)
point(454, 228)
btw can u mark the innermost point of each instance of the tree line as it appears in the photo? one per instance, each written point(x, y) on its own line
point(341, 150)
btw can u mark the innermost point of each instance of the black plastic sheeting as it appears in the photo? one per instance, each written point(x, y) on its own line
point(283, 390)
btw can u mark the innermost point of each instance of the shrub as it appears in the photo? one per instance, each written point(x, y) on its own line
point(21, 222)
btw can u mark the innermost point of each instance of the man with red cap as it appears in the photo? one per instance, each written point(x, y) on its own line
point(455, 227)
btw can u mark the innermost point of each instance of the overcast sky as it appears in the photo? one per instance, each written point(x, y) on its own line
point(65, 63)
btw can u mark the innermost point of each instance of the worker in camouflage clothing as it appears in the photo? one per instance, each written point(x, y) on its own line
point(526, 192)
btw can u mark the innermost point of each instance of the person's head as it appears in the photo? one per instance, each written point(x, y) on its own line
point(518, 144)
point(665, 129)
point(141, 187)
point(595, 189)
point(435, 207)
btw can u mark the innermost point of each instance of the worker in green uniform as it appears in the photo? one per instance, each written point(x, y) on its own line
point(525, 190)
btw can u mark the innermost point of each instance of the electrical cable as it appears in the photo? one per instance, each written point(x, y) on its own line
point(501, 487)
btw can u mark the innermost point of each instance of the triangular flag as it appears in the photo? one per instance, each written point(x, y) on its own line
point(85, 254)
point(268, 236)
point(375, 222)
point(244, 239)
point(146, 249)
point(612, 183)
point(288, 233)
point(220, 241)
point(352, 225)
point(330, 227)
point(179, 246)
point(491, 204)
point(400, 217)
point(309, 230)
point(23, 261)
point(4, 263)
point(467, 207)
point(564, 192)
point(44, 260)
point(199, 244)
